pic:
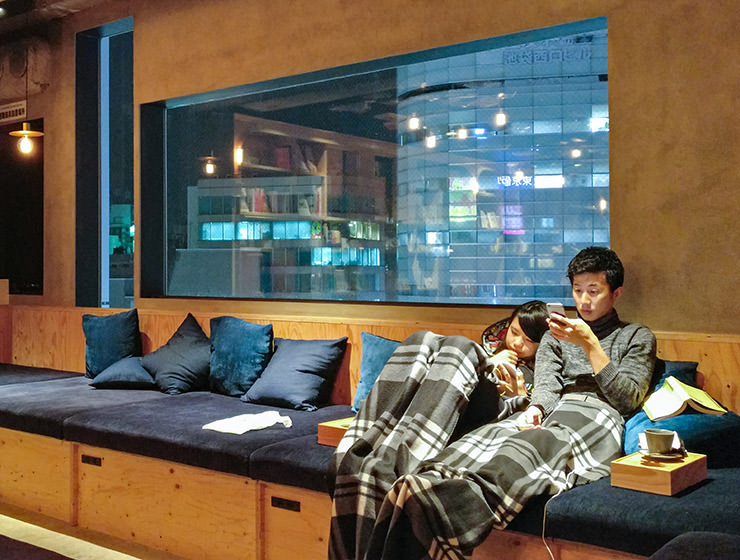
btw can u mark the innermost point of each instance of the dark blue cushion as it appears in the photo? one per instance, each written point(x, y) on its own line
point(109, 338)
point(683, 371)
point(300, 374)
point(239, 353)
point(718, 437)
point(182, 364)
point(171, 428)
point(124, 374)
point(375, 353)
point(707, 545)
point(639, 522)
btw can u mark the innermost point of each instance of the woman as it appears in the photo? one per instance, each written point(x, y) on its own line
point(513, 342)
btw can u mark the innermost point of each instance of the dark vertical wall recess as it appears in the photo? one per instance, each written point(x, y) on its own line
point(22, 213)
point(87, 166)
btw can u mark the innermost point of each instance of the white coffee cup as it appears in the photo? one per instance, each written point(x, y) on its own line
point(659, 440)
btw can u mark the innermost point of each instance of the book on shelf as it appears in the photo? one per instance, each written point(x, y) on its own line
point(673, 398)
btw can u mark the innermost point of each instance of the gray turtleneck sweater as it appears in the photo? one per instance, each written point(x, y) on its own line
point(562, 368)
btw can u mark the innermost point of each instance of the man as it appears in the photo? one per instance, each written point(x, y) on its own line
point(590, 372)
point(596, 354)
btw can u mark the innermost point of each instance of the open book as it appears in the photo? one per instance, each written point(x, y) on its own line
point(673, 398)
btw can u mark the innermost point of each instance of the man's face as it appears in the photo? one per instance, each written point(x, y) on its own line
point(594, 299)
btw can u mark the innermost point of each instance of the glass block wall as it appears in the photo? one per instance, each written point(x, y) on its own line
point(503, 170)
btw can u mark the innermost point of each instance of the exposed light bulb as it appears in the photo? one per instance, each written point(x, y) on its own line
point(414, 123)
point(576, 153)
point(462, 133)
point(603, 205)
point(430, 141)
point(25, 145)
point(500, 119)
point(209, 168)
point(238, 156)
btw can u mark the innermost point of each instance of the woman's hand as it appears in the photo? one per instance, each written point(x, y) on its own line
point(530, 418)
point(511, 381)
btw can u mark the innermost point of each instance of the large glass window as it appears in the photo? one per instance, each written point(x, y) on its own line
point(468, 174)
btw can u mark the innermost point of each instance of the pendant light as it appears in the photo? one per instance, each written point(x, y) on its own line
point(25, 144)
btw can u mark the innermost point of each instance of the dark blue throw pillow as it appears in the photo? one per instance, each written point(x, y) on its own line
point(376, 351)
point(300, 374)
point(716, 436)
point(109, 338)
point(683, 371)
point(182, 364)
point(124, 374)
point(239, 353)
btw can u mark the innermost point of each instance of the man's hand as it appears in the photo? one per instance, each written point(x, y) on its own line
point(578, 332)
point(530, 418)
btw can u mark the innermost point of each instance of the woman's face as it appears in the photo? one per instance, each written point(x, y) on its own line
point(519, 342)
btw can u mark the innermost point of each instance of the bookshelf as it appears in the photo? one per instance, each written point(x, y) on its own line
point(307, 206)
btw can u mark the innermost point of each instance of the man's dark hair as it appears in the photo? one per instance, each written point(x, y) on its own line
point(598, 259)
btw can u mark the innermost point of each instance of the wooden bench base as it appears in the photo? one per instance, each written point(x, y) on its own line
point(38, 473)
point(188, 511)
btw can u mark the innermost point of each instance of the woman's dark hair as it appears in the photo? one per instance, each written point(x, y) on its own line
point(532, 318)
point(598, 259)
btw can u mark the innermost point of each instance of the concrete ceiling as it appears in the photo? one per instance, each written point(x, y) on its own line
point(23, 18)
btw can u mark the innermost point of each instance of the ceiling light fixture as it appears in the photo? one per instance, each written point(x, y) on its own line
point(25, 144)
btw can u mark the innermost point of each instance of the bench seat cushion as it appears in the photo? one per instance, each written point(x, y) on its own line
point(42, 406)
point(172, 429)
point(11, 374)
point(301, 462)
point(639, 522)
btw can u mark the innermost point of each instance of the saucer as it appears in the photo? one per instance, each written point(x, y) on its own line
point(671, 456)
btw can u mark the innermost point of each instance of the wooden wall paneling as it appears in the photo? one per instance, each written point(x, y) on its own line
point(188, 511)
point(6, 334)
point(49, 337)
point(303, 514)
point(37, 473)
point(718, 358)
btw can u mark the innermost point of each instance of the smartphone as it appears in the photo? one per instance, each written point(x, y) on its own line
point(556, 308)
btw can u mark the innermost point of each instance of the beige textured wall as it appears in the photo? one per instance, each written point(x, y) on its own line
point(674, 144)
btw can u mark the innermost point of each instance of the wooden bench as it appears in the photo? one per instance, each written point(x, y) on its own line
point(195, 512)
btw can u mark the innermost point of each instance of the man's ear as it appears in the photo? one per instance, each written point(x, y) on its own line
point(618, 293)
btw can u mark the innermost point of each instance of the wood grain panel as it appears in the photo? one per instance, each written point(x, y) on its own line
point(519, 546)
point(308, 528)
point(6, 334)
point(188, 511)
point(52, 337)
point(37, 473)
point(718, 358)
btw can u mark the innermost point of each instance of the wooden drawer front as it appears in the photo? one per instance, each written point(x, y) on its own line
point(295, 523)
point(36, 473)
point(188, 511)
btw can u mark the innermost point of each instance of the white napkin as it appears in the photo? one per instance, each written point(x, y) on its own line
point(246, 422)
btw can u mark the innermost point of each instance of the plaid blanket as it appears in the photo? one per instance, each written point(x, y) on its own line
point(404, 488)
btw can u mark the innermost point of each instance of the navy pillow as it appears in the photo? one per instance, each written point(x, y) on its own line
point(683, 371)
point(239, 353)
point(109, 338)
point(124, 374)
point(182, 364)
point(376, 351)
point(300, 374)
point(717, 436)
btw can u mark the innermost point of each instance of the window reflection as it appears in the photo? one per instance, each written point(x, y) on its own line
point(466, 178)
